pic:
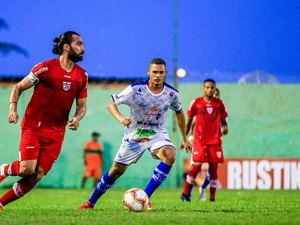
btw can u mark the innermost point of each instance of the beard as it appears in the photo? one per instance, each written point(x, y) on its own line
point(75, 57)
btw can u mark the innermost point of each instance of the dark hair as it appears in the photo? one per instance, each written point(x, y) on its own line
point(95, 134)
point(217, 89)
point(64, 38)
point(158, 61)
point(209, 80)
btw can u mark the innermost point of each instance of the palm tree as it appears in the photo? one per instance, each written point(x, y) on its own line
point(6, 48)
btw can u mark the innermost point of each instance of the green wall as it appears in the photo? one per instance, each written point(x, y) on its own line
point(264, 121)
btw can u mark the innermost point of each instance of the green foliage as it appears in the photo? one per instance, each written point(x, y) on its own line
point(57, 206)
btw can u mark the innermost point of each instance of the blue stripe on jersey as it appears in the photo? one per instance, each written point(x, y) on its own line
point(169, 86)
point(143, 82)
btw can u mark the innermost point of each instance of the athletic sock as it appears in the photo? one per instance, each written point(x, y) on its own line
point(190, 180)
point(206, 181)
point(18, 190)
point(159, 175)
point(105, 183)
point(12, 169)
point(213, 181)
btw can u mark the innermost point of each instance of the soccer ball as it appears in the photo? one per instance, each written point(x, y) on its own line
point(135, 199)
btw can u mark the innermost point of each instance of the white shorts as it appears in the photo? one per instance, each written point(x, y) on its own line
point(130, 151)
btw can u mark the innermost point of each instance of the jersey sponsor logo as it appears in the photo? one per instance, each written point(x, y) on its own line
point(145, 132)
point(154, 109)
point(67, 76)
point(209, 109)
point(142, 104)
point(142, 140)
point(66, 85)
point(166, 107)
point(41, 70)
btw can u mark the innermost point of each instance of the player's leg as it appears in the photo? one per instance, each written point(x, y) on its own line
point(198, 156)
point(203, 187)
point(213, 168)
point(96, 175)
point(215, 156)
point(190, 181)
point(12, 169)
point(26, 184)
point(167, 155)
point(104, 184)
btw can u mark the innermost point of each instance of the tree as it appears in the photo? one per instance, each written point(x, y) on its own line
point(6, 48)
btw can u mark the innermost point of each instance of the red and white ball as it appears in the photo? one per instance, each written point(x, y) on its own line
point(135, 199)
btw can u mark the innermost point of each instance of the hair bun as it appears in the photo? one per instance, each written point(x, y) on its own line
point(56, 40)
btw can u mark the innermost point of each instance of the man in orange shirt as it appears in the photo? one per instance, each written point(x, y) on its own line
point(93, 160)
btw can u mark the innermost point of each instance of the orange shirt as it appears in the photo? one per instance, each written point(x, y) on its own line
point(93, 152)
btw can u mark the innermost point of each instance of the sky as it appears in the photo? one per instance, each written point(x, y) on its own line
point(218, 39)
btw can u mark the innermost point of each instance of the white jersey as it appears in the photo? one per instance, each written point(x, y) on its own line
point(148, 111)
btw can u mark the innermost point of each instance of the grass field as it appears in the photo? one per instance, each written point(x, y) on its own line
point(56, 206)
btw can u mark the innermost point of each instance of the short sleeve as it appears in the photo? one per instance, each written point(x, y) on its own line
point(191, 109)
point(125, 97)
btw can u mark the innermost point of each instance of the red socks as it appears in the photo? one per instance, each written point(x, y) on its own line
point(213, 181)
point(18, 190)
point(12, 169)
point(190, 179)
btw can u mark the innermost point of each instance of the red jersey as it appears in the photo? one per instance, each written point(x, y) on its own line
point(54, 95)
point(208, 120)
point(93, 152)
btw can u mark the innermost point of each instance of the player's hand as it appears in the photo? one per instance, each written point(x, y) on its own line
point(125, 121)
point(187, 145)
point(13, 117)
point(224, 129)
point(73, 123)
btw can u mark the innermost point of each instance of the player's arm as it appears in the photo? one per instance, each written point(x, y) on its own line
point(15, 94)
point(79, 113)
point(181, 124)
point(189, 124)
point(113, 109)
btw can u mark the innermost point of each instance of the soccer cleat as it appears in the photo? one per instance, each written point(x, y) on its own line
point(185, 198)
point(149, 206)
point(212, 200)
point(2, 175)
point(202, 196)
point(86, 205)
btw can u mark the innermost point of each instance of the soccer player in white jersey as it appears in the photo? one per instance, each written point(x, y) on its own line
point(149, 102)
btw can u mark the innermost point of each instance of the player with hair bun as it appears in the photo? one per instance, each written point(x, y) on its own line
point(57, 83)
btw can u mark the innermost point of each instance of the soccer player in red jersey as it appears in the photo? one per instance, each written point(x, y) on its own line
point(93, 160)
point(57, 83)
point(210, 125)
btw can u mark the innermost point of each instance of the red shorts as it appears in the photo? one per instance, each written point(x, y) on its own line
point(207, 153)
point(43, 146)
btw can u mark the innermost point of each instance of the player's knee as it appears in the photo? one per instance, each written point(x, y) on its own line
point(171, 156)
point(26, 171)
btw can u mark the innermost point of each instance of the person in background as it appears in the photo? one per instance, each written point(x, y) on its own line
point(93, 160)
point(210, 125)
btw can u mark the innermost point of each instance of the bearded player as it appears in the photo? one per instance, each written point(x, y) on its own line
point(57, 83)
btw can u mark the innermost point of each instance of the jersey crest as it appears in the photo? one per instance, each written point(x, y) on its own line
point(66, 85)
point(209, 109)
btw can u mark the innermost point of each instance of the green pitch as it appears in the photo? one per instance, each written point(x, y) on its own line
point(56, 206)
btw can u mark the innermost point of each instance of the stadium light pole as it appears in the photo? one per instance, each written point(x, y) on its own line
point(175, 83)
